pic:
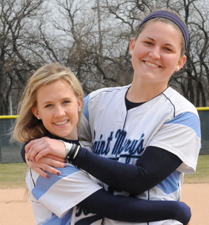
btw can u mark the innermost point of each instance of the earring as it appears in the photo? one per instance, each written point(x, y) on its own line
point(131, 53)
point(79, 110)
point(38, 118)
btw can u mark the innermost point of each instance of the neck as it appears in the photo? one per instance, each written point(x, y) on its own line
point(50, 135)
point(143, 92)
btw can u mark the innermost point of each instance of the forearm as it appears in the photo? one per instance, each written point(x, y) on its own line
point(135, 179)
point(129, 209)
point(151, 168)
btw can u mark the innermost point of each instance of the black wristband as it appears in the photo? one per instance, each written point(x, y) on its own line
point(72, 152)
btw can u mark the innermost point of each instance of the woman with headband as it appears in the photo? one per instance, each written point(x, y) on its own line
point(150, 131)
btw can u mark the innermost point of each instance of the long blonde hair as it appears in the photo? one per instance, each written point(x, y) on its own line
point(27, 126)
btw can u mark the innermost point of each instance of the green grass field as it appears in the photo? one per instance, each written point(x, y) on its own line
point(202, 172)
point(12, 175)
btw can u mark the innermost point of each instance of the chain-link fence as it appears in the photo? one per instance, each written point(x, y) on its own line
point(10, 151)
point(204, 119)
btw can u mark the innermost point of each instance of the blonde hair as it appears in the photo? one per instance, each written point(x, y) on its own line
point(27, 126)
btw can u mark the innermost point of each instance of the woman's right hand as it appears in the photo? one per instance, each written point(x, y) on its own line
point(41, 147)
point(46, 164)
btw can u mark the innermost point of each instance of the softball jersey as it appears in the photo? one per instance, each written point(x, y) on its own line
point(168, 122)
point(53, 199)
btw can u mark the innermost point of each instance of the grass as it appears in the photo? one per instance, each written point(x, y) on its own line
point(12, 175)
point(202, 171)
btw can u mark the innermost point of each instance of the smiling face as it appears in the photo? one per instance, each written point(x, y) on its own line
point(57, 107)
point(156, 54)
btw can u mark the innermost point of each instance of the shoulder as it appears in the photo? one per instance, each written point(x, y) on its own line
point(178, 102)
point(184, 112)
point(103, 98)
point(105, 92)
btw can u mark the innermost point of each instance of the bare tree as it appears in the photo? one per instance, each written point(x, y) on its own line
point(92, 38)
point(18, 41)
point(193, 79)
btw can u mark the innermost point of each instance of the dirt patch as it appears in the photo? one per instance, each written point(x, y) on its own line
point(16, 209)
point(197, 197)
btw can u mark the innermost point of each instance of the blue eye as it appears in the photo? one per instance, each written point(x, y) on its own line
point(49, 105)
point(66, 102)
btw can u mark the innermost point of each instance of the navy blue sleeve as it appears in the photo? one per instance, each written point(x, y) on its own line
point(130, 209)
point(23, 151)
point(121, 208)
point(151, 168)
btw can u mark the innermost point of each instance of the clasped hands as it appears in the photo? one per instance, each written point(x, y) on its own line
point(44, 154)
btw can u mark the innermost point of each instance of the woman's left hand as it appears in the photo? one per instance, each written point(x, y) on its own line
point(46, 163)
